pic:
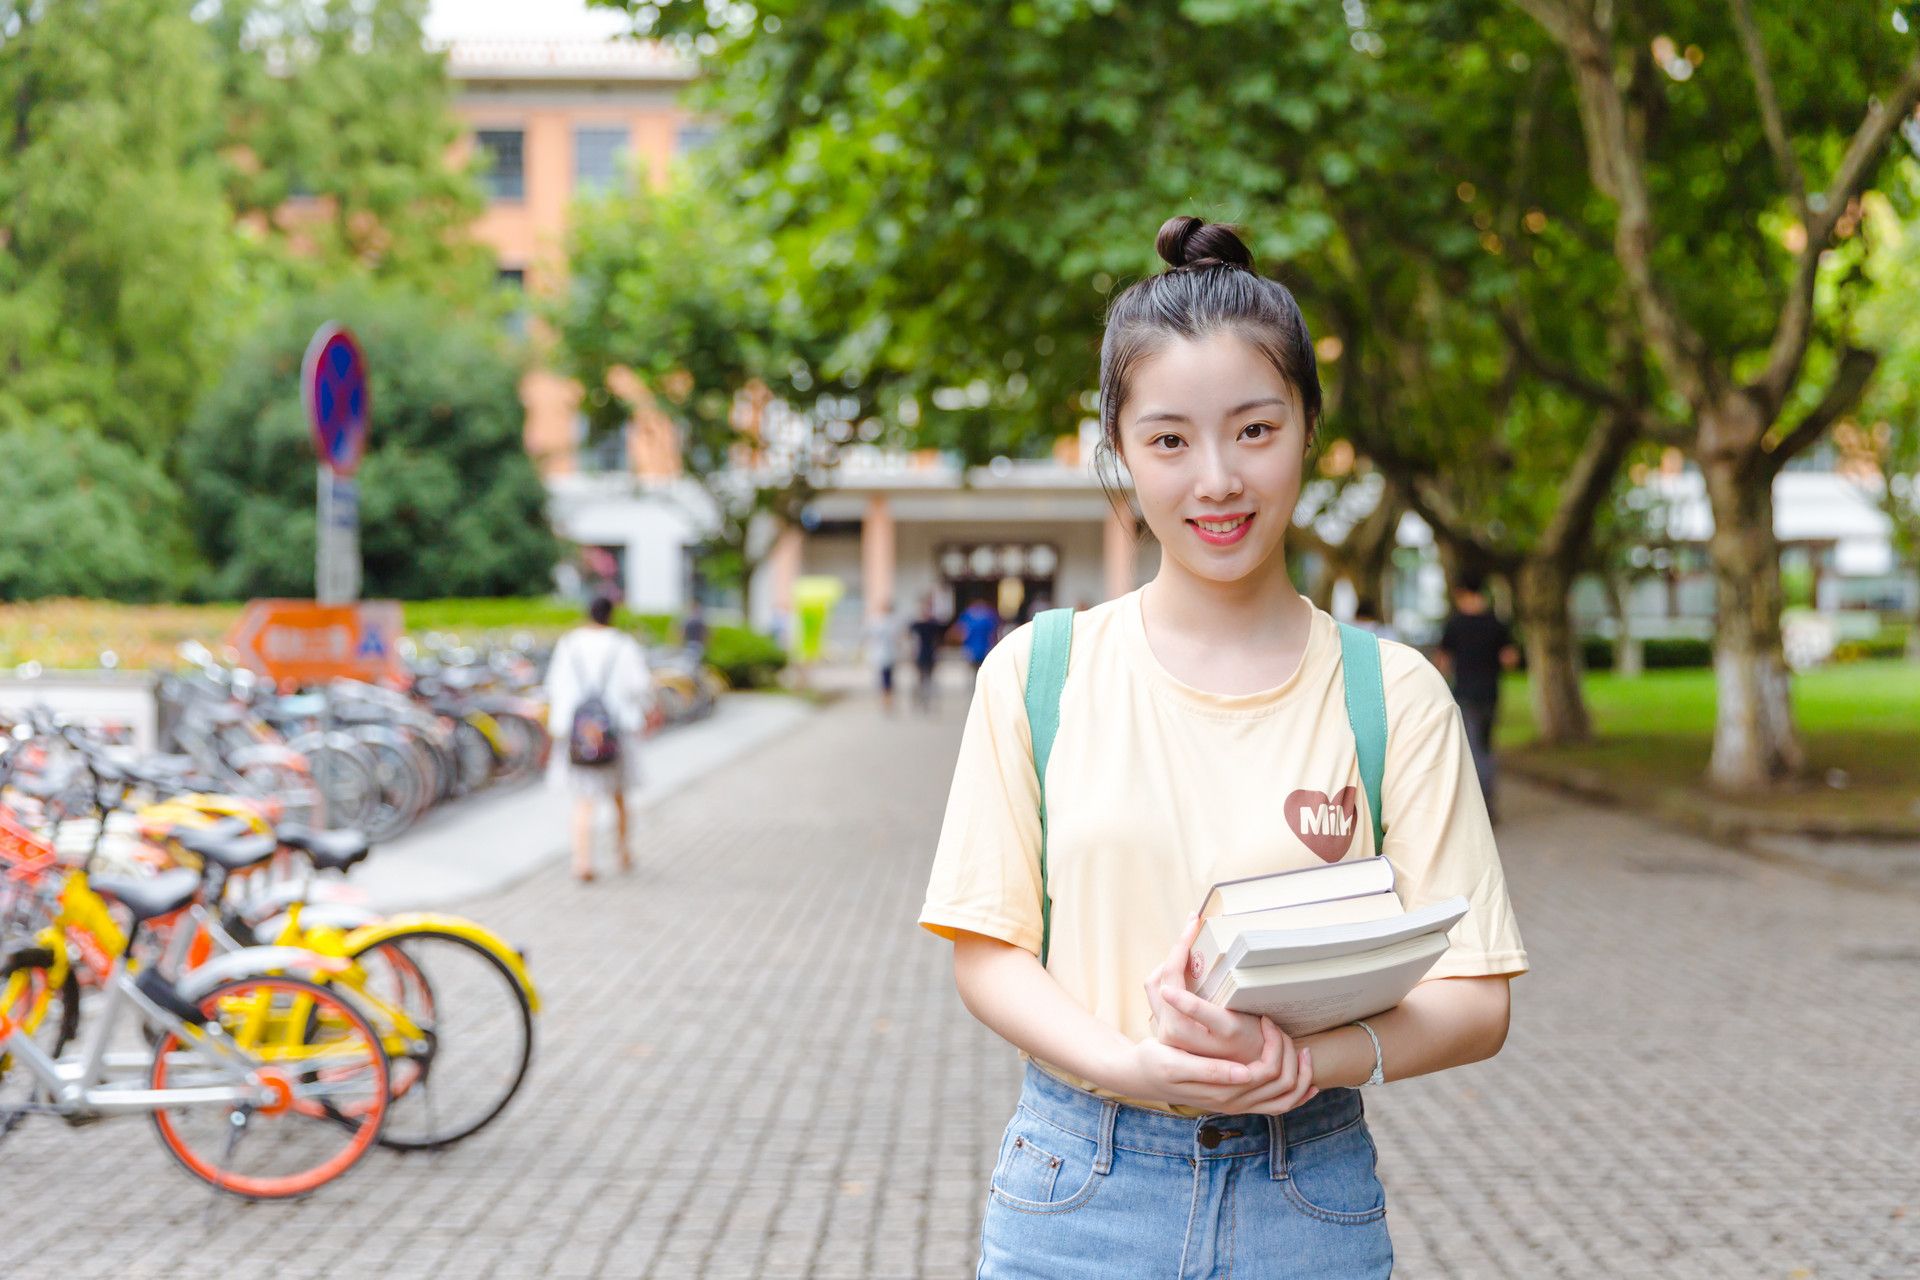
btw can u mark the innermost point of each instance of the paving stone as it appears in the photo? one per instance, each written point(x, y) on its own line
point(752, 1063)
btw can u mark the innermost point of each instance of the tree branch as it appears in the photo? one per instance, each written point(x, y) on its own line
point(1794, 331)
point(1614, 155)
point(1564, 376)
point(1770, 118)
point(1586, 485)
point(1843, 394)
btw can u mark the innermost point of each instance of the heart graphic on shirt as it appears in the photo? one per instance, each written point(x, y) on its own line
point(1325, 824)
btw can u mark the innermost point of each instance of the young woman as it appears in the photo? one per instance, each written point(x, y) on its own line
point(1202, 726)
point(598, 660)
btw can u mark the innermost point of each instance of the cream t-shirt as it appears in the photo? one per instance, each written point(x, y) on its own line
point(1157, 790)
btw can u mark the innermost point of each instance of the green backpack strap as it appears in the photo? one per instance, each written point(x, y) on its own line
point(1046, 677)
point(1367, 714)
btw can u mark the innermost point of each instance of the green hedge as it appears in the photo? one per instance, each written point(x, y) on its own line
point(748, 659)
point(1674, 653)
point(1888, 642)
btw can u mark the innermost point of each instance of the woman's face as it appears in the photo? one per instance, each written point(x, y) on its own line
point(1216, 443)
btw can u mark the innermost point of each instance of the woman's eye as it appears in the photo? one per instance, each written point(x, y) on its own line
point(1256, 430)
point(1168, 441)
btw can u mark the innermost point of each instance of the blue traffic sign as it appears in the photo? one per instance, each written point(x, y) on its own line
point(333, 384)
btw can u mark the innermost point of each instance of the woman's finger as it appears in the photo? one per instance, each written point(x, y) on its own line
point(1175, 962)
point(1190, 1068)
point(1221, 1022)
point(1176, 1028)
point(1291, 1088)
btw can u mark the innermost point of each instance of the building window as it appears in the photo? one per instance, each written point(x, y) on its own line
point(512, 282)
point(692, 136)
point(598, 155)
point(506, 175)
point(605, 455)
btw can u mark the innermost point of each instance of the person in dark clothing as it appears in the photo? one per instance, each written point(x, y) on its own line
point(928, 631)
point(1475, 647)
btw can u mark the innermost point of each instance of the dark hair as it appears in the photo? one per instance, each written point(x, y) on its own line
point(600, 609)
point(1471, 581)
point(1209, 285)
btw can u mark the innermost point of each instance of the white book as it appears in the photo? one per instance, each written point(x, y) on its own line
point(1219, 934)
point(1265, 948)
point(1313, 995)
point(1295, 888)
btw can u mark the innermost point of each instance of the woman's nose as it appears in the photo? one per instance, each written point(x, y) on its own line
point(1218, 478)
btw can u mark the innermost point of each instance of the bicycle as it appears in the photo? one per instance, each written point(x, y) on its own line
point(243, 1041)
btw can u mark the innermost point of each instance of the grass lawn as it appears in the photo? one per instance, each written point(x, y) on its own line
point(1860, 723)
point(70, 635)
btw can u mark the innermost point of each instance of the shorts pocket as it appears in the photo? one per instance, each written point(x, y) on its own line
point(1332, 1176)
point(1042, 1167)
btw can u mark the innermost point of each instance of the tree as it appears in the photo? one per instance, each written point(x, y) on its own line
point(1887, 437)
point(339, 121)
point(87, 516)
point(672, 310)
point(967, 183)
point(450, 504)
point(1702, 124)
point(115, 252)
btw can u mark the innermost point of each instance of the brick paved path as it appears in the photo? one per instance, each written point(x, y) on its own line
point(753, 1064)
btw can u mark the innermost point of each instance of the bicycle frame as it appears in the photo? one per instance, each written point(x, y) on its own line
point(82, 1084)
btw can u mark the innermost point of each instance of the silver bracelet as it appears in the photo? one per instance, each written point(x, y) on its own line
point(1379, 1074)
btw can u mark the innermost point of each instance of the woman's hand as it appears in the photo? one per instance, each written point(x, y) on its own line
point(1277, 1081)
point(1185, 1021)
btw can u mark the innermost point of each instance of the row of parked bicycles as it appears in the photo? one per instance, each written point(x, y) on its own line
point(177, 937)
point(211, 973)
point(359, 755)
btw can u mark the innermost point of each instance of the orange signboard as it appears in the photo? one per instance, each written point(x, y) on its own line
point(303, 642)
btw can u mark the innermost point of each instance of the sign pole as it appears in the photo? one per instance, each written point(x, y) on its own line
point(333, 385)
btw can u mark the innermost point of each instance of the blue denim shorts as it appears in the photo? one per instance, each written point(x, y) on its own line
point(1086, 1187)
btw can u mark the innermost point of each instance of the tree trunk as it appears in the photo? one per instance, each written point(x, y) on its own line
point(1629, 658)
point(1913, 625)
point(1553, 657)
point(1754, 743)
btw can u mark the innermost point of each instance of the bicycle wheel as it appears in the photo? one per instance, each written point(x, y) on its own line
point(50, 1014)
point(346, 779)
point(475, 1036)
point(329, 1077)
point(473, 757)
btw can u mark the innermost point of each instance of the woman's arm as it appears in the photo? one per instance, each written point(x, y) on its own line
point(1006, 988)
point(1446, 1022)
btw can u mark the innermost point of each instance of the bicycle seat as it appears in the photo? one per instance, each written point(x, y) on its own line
point(330, 850)
point(228, 843)
point(154, 896)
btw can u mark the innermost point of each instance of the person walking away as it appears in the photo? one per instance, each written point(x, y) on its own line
point(600, 698)
point(928, 634)
point(1475, 647)
point(885, 632)
point(979, 628)
point(693, 632)
point(1192, 731)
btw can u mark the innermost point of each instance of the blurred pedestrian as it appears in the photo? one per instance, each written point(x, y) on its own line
point(599, 696)
point(1475, 647)
point(885, 632)
point(1366, 616)
point(928, 633)
point(979, 625)
point(693, 631)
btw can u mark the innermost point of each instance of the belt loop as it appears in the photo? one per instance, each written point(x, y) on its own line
point(1277, 1147)
point(1103, 1156)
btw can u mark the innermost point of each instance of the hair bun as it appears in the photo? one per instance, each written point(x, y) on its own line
point(1193, 242)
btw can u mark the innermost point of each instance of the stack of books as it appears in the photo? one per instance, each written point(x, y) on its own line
point(1317, 947)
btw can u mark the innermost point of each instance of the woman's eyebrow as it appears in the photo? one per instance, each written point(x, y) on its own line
point(1168, 415)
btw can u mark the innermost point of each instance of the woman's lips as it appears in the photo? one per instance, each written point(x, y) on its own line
point(1222, 531)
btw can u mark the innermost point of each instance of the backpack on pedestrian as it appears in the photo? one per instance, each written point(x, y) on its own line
point(594, 737)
